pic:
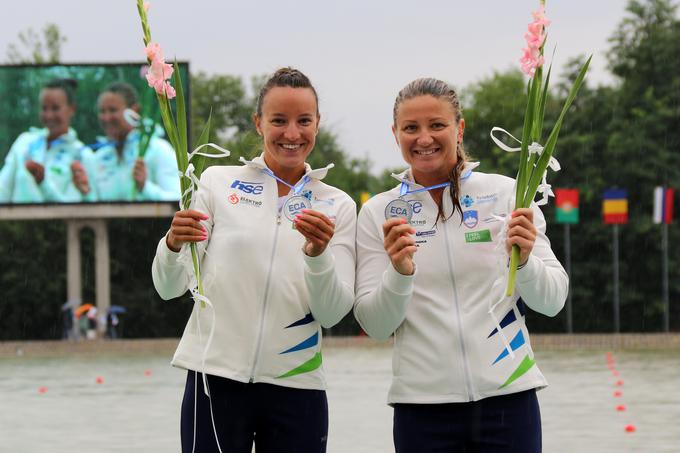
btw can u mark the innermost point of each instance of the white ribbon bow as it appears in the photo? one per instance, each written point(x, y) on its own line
point(186, 260)
point(501, 281)
point(189, 172)
point(534, 148)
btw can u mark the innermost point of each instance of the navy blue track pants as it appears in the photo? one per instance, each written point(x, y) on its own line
point(500, 424)
point(275, 418)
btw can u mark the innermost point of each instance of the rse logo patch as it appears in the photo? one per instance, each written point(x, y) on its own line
point(254, 188)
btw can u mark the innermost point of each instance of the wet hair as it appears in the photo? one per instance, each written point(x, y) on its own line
point(125, 91)
point(285, 77)
point(68, 86)
point(439, 90)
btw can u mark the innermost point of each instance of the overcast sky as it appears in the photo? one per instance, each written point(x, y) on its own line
point(357, 53)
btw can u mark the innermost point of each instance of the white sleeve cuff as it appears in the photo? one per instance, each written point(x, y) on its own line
point(319, 264)
point(396, 282)
point(530, 270)
point(164, 254)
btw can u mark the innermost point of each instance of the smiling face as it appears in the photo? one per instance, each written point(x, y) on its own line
point(288, 125)
point(111, 107)
point(55, 111)
point(428, 135)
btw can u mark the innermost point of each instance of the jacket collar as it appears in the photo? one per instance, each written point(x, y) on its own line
point(406, 177)
point(259, 164)
point(69, 137)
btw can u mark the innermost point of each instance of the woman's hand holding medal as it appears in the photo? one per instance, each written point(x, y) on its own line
point(317, 230)
point(37, 170)
point(80, 179)
point(186, 227)
point(139, 174)
point(400, 244)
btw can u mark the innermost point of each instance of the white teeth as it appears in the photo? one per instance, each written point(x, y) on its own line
point(426, 152)
point(290, 146)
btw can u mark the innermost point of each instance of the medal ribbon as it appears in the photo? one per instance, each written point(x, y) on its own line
point(297, 188)
point(404, 189)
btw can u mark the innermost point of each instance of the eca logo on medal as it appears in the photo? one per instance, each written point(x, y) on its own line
point(233, 198)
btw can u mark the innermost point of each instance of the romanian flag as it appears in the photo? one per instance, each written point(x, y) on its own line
point(567, 205)
point(615, 206)
point(663, 205)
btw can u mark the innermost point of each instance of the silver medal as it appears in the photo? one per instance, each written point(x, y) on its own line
point(294, 206)
point(399, 208)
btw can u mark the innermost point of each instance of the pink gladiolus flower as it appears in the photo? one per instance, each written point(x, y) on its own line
point(539, 16)
point(535, 37)
point(154, 52)
point(143, 71)
point(147, 5)
point(159, 72)
point(169, 91)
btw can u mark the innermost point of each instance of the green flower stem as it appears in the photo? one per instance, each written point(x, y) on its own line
point(532, 167)
point(177, 134)
point(514, 262)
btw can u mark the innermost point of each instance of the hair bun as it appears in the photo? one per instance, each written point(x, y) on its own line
point(72, 83)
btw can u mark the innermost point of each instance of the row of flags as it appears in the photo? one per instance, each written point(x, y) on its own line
point(614, 206)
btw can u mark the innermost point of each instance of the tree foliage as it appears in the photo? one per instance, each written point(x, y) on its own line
point(34, 48)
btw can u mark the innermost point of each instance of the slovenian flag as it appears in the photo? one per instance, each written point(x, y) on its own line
point(615, 206)
point(566, 201)
point(663, 205)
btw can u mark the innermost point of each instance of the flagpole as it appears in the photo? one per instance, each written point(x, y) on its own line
point(664, 251)
point(567, 252)
point(617, 321)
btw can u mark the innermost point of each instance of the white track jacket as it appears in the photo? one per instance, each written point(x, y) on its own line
point(447, 347)
point(270, 299)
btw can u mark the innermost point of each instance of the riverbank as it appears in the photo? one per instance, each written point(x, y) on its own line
point(540, 342)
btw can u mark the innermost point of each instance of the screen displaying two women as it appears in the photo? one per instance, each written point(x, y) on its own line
point(121, 157)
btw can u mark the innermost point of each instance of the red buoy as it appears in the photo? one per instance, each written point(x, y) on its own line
point(618, 393)
point(619, 383)
point(99, 380)
point(620, 408)
point(630, 428)
point(42, 390)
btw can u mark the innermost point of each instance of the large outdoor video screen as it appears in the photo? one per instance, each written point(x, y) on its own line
point(86, 133)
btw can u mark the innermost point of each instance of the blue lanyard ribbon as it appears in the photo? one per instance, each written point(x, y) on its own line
point(404, 189)
point(102, 143)
point(41, 142)
point(297, 188)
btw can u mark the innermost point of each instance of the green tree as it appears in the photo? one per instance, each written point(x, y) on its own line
point(34, 48)
point(499, 101)
point(644, 145)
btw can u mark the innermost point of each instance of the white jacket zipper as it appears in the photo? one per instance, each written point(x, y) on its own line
point(466, 368)
point(258, 349)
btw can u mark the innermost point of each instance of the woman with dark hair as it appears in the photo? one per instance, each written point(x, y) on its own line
point(43, 165)
point(124, 172)
point(431, 254)
point(276, 269)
